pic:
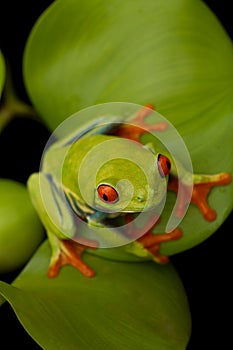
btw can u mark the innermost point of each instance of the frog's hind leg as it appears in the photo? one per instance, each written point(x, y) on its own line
point(67, 252)
point(137, 126)
point(201, 188)
point(152, 241)
point(149, 243)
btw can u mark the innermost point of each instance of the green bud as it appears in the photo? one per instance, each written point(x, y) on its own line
point(20, 229)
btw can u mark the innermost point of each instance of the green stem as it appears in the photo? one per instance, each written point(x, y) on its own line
point(11, 106)
point(5, 117)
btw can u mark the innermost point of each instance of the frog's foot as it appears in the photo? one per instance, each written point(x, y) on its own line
point(152, 241)
point(68, 252)
point(137, 125)
point(201, 188)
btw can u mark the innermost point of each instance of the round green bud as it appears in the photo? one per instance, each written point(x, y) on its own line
point(21, 231)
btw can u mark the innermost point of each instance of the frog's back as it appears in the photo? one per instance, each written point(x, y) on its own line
point(56, 158)
point(79, 149)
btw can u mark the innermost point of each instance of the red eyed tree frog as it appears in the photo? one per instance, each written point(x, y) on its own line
point(107, 196)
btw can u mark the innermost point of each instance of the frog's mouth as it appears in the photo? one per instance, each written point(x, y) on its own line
point(138, 209)
point(114, 211)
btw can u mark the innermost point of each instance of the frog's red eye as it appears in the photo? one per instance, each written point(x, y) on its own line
point(107, 193)
point(164, 165)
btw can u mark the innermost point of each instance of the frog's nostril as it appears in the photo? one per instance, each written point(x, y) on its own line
point(140, 198)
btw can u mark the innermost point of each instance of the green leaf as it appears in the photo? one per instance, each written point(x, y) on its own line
point(181, 60)
point(126, 306)
point(172, 53)
point(2, 72)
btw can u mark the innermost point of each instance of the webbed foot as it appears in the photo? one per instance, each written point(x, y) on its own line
point(68, 252)
point(151, 241)
point(201, 188)
point(137, 125)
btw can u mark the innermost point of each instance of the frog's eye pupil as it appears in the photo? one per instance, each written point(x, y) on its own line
point(107, 193)
point(164, 165)
point(105, 197)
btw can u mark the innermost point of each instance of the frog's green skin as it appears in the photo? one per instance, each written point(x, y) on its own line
point(69, 154)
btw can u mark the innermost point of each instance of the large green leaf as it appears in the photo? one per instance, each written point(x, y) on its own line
point(172, 53)
point(126, 306)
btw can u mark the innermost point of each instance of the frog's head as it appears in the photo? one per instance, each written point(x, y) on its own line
point(123, 185)
point(115, 175)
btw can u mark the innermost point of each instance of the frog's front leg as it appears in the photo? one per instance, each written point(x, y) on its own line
point(64, 251)
point(202, 184)
point(137, 125)
point(67, 252)
point(149, 241)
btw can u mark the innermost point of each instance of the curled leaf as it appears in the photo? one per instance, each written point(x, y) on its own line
point(127, 305)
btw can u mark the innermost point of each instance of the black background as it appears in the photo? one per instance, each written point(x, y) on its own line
point(205, 270)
